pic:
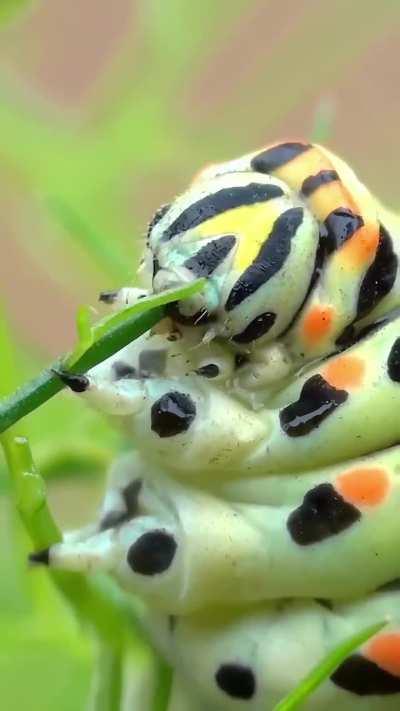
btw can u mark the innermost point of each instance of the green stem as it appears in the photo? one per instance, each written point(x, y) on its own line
point(107, 681)
point(97, 603)
point(328, 665)
point(101, 248)
point(163, 687)
point(30, 492)
point(36, 392)
point(109, 617)
point(324, 119)
point(116, 332)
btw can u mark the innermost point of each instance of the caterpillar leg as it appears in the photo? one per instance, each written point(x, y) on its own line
point(252, 658)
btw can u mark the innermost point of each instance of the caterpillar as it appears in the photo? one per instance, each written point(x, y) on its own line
point(257, 513)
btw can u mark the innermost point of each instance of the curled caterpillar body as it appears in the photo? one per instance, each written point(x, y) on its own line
point(264, 417)
point(251, 659)
point(183, 549)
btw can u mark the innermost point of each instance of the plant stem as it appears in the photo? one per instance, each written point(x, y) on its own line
point(36, 392)
point(98, 604)
point(107, 681)
point(328, 665)
point(30, 492)
point(163, 686)
point(103, 608)
point(101, 248)
point(115, 333)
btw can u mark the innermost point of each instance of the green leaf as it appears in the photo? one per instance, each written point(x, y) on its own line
point(326, 668)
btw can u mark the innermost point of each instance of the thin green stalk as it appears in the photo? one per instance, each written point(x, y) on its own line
point(108, 614)
point(109, 336)
point(328, 665)
point(163, 687)
point(96, 603)
point(105, 610)
point(324, 118)
point(107, 681)
point(30, 492)
point(8, 383)
point(104, 250)
point(47, 384)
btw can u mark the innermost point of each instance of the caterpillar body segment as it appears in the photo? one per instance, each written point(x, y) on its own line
point(257, 515)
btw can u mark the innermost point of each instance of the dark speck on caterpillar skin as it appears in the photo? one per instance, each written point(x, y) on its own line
point(123, 370)
point(77, 383)
point(108, 297)
point(172, 620)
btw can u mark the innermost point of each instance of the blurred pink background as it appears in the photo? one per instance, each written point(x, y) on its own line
point(259, 74)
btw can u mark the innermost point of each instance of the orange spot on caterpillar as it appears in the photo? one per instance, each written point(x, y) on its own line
point(364, 486)
point(317, 324)
point(361, 248)
point(345, 372)
point(384, 650)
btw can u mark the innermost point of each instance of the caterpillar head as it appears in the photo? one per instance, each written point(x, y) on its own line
point(254, 241)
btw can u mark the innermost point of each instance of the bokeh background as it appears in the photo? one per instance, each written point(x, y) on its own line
point(106, 110)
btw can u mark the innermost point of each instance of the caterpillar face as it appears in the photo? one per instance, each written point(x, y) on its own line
point(291, 246)
point(248, 234)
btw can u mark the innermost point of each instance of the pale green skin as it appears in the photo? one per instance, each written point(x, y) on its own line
point(282, 642)
point(230, 526)
point(224, 489)
point(231, 553)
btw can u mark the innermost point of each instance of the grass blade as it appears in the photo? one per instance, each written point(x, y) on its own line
point(107, 682)
point(116, 332)
point(326, 668)
point(103, 250)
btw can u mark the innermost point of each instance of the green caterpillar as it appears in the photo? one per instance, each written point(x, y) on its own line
point(258, 514)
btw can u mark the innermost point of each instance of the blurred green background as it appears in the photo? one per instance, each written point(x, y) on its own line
point(106, 110)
